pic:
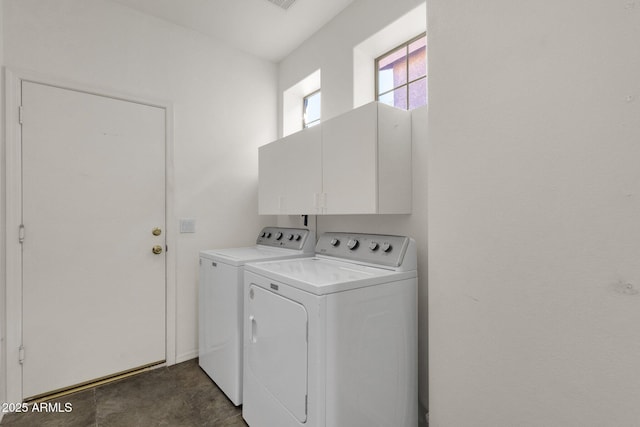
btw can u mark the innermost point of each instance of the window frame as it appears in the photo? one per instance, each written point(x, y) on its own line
point(306, 125)
point(408, 82)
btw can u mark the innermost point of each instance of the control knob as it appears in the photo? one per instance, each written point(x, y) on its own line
point(278, 235)
point(334, 242)
point(298, 237)
point(268, 235)
point(386, 247)
point(289, 236)
point(373, 246)
point(352, 244)
point(263, 234)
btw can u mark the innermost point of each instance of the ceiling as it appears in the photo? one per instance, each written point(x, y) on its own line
point(254, 26)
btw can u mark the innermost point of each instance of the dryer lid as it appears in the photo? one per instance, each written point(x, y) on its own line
point(240, 256)
point(321, 276)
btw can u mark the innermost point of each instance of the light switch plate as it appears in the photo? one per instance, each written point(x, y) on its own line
point(187, 225)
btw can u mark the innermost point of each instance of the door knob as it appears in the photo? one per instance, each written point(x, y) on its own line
point(157, 249)
point(156, 231)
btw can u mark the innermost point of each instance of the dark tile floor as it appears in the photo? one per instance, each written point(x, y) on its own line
point(181, 395)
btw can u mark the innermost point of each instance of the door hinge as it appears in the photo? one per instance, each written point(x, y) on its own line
point(21, 233)
point(21, 354)
point(20, 114)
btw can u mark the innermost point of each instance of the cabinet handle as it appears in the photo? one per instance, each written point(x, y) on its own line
point(319, 202)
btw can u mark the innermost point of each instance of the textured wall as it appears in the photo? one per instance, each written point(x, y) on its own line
point(534, 185)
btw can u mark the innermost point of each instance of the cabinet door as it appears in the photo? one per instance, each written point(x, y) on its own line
point(271, 181)
point(349, 162)
point(394, 160)
point(302, 167)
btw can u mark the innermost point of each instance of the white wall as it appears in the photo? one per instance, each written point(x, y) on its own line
point(215, 91)
point(331, 50)
point(534, 208)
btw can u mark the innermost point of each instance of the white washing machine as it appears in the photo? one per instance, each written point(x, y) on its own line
point(220, 294)
point(331, 340)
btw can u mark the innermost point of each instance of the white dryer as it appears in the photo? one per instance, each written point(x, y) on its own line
point(220, 301)
point(331, 340)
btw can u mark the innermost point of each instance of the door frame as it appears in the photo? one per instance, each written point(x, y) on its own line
point(13, 218)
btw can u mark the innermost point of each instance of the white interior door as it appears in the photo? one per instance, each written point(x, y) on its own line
point(93, 179)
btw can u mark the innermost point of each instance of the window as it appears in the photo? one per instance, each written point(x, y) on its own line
point(401, 75)
point(293, 103)
point(311, 109)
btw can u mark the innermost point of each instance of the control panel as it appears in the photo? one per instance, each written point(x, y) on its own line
point(289, 238)
point(383, 249)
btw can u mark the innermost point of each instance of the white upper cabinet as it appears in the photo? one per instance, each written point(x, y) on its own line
point(349, 160)
point(356, 163)
point(301, 162)
point(366, 161)
point(290, 174)
point(270, 179)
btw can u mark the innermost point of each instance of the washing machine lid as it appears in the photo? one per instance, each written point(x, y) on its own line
point(240, 256)
point(321, 276)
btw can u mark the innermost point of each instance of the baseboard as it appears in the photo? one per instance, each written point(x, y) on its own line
point(186, 356)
